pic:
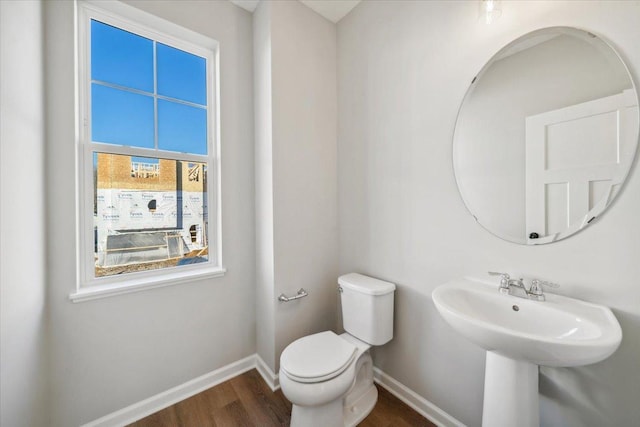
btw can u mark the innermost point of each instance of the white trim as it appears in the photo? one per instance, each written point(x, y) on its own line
point(147, 25)
point(136, 285)
point(176, 394)
point(269, 377)
point(146, 152)
point(415, 401)
point(190, 388)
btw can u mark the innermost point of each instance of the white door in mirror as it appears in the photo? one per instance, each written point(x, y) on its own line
point(576, 156)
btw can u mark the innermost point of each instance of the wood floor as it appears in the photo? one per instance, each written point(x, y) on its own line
point(247, 401)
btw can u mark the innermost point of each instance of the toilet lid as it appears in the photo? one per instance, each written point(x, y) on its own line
point(318, 357)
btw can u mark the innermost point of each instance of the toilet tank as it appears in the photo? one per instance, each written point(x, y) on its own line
point(367, 308)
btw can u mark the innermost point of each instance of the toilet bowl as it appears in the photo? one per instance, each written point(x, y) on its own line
point(329, 380)
point(328, 377)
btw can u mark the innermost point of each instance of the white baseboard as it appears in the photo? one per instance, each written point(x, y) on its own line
point(269, 377)
point(176, 394)
point(415, 401)
point(167, 398)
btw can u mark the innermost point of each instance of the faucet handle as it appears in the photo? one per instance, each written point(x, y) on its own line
point(536, 286)
point(502, 275)
point(504, 280)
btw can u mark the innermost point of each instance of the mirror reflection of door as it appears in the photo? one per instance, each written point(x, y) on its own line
point(546, 135)
point(576, 157)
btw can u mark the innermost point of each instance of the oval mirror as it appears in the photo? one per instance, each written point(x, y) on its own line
point(546, 136)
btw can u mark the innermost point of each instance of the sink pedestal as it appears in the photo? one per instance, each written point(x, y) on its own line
point(510, 393)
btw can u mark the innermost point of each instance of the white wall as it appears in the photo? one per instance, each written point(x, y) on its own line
point(107, 354)
point(265, 280)
point(23, 317)
point(403, 69)
point(304, 170)
point(296, 173)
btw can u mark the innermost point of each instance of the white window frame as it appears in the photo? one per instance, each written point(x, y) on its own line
point(146, 25)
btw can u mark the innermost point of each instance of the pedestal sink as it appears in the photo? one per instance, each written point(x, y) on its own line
point(519, 335)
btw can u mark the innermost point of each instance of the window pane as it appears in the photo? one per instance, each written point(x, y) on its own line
point(181, 75)
point(120, 57)
point(121, 117)
point(182, 128)
point(149, 213)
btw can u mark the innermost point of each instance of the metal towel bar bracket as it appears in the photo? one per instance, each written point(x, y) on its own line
point(301, 294)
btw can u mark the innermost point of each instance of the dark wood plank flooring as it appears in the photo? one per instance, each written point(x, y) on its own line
point(246, 400)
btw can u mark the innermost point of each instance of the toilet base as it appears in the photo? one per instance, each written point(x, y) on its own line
point(328, 415)
point(363, 395)
point(346, 412)
point(358, 410)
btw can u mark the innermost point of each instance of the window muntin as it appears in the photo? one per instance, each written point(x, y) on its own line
point(150, 123)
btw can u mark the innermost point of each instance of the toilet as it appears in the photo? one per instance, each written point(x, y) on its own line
point(328, 378)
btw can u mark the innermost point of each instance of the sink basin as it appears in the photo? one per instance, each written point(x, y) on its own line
point(519, 335)
point(560, 331)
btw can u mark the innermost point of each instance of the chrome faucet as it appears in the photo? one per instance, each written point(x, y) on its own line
point(517, 288)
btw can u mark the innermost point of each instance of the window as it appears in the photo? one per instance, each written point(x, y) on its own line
point(148, 150)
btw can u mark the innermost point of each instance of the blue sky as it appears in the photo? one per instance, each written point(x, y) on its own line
point(125, 117)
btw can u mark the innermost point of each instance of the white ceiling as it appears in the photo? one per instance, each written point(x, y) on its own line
point(249, 5)
point(333, 10)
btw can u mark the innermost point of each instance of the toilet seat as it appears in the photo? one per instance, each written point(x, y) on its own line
point(317, 358)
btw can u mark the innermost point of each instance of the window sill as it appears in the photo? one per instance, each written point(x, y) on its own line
point(89, 293)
